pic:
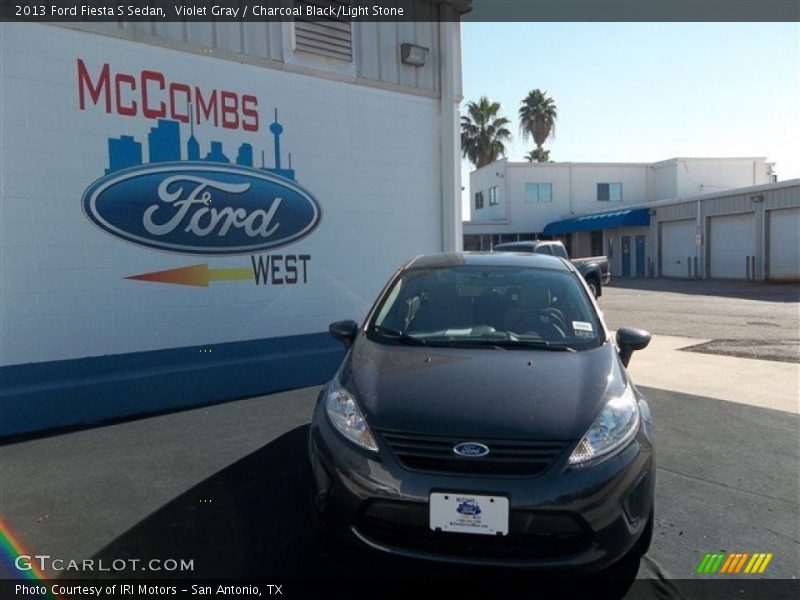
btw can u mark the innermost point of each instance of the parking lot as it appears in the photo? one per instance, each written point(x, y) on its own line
point(748, 319)
point(226, 485)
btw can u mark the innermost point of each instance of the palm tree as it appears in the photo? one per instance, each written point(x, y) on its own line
point(538, 155)
point(483, 132)
point(537, 119)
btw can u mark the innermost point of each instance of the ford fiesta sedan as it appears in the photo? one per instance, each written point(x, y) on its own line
point(483, 414)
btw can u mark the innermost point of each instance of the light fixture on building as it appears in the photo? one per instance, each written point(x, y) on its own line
point(414, 55)
point(757, 199)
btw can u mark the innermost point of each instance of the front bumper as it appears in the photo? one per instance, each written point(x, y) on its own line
point(583, 518)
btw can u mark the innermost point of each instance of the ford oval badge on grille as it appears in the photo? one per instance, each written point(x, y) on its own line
point(471, 449)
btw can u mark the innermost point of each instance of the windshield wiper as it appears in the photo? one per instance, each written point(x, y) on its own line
point(543, 344)
point(516, 344)
point(399, 335)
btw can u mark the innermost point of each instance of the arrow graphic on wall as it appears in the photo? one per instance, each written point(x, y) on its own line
point(195, 275)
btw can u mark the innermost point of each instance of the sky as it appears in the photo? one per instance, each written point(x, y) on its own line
point(643, 92)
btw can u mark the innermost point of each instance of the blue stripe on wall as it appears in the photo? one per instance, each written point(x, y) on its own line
point(47, 395)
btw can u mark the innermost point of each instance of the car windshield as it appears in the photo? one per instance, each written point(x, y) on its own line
point(503, 307)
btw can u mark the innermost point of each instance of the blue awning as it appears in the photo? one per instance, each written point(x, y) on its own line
point(631, 217)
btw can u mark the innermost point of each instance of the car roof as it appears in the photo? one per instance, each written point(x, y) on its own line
point(525, 243)
point(490, 259)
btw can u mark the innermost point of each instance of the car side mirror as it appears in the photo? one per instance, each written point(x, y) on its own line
point(344, 331)
point(629, 340)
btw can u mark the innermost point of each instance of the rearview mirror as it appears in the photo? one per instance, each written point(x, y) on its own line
point(344, 331)
point(629, 340)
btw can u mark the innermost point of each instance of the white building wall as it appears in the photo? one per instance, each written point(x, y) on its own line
point(585, 178)
point(695, 176)
point(63, 281)
point(665, 181)
point(574, 192)
point(533, 216)
point(481, 181)
point(376, 54)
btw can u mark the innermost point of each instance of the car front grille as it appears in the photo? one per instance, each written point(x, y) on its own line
point(506, 457)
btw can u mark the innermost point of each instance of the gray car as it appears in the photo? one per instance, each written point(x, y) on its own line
point(483, 414)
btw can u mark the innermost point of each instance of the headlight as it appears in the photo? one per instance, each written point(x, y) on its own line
point(615, 426)
point(345, 416)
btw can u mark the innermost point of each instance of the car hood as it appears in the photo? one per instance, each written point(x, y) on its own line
point(482, 392)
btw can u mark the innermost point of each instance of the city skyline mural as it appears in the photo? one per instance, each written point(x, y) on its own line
point(164, 145)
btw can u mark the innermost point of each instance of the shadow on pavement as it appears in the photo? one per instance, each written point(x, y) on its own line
point(251, 520)
point(748, 290)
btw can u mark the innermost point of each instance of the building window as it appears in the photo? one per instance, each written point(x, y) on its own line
point(538, 192)
point(331, 37)
point(493, 195)
point(609, 192)
point(596, 243)
point(478, 200)
point(472, 243)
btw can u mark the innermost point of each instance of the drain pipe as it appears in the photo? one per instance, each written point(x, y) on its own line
point(449, 99)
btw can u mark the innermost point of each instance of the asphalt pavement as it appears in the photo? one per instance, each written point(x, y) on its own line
point(226, 485)
point(739, 318)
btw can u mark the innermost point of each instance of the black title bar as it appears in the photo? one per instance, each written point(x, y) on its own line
point(398, 10)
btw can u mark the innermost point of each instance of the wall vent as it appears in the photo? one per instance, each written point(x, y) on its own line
point(324, 36)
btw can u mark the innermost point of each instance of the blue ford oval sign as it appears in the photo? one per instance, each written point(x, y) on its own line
point(201, 208)
point(471, 449)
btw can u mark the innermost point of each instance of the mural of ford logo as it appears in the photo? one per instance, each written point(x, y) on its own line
point(201, 208)
point(471, 449)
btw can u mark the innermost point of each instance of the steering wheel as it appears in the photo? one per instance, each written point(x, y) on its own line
point(558, 317)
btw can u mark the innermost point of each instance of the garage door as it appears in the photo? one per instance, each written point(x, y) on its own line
point(732, 240)
point(677, 245)
point(784, 243)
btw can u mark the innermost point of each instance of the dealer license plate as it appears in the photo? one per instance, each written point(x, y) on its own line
point(468, 513)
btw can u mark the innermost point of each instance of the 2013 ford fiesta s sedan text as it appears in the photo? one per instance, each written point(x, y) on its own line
point(483, 414)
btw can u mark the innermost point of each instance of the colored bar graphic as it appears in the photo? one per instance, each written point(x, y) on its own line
point(764, 564)
point(711, 563)
point(749, 568)
point(717, 563)
point(728, 563)
point(740, 564)
point(734, 563)
point(702, 566)
point(758, 563)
